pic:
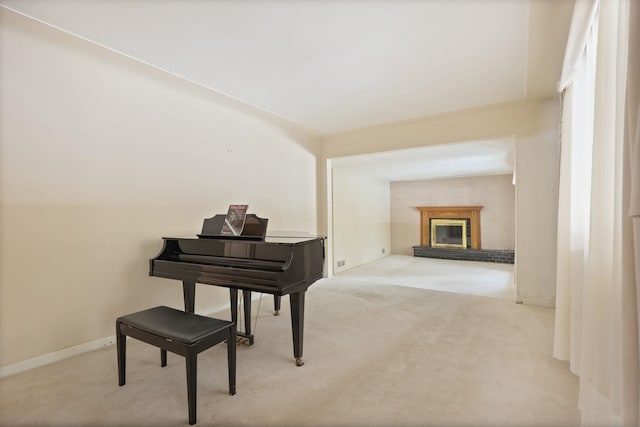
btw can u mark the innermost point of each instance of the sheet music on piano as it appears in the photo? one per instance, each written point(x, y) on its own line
point(234, 221)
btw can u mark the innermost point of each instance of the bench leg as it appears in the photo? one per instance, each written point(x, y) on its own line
point(121, 345)
point(163, 358)
point(231, 359)
point(192, 383)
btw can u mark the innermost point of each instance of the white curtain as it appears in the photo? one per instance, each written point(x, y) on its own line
point(597, 300)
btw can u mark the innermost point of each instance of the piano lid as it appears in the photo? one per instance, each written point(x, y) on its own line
point(282, 239)
point(278, 251)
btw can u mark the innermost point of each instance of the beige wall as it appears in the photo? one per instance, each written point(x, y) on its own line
point(534, 125)
point(101, 156)
point(495, 193)
point(360, 219)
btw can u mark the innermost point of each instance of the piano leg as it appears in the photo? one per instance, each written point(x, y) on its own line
point(246, 301)
point(276, 305)
point(233, 293)
point(189, 292)
point(297, 324)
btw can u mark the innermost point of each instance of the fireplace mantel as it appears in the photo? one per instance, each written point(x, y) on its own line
point(445, 212)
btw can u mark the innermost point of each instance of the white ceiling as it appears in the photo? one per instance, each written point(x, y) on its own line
point(471, 158)
point(335, 65)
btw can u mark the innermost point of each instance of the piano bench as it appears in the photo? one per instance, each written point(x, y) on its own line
point(179, 332)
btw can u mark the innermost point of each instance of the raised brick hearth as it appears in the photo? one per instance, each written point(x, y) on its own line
point(506, 256)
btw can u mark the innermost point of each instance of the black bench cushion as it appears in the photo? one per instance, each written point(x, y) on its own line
point(175, 324)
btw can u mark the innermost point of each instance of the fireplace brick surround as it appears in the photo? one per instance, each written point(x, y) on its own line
point(472, 213)
point(473, 252)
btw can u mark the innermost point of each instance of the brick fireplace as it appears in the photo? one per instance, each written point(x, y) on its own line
point(453, 232)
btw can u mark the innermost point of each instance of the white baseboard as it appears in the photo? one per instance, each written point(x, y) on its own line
point(538, 302)
point(56, 356)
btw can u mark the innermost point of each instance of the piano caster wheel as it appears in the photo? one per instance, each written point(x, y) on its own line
point(299, 361)
point(276, 313)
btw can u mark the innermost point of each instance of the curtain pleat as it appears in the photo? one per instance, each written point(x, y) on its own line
point(584, 14)
point(574, 196)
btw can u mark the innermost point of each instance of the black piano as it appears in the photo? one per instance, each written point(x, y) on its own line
point(251, 261)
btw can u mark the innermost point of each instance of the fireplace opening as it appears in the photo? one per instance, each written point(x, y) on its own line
point(449, 233)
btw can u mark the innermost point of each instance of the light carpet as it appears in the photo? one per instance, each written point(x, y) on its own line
point(376, 354)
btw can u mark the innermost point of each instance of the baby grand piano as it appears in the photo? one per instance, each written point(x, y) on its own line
point(252, 261)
